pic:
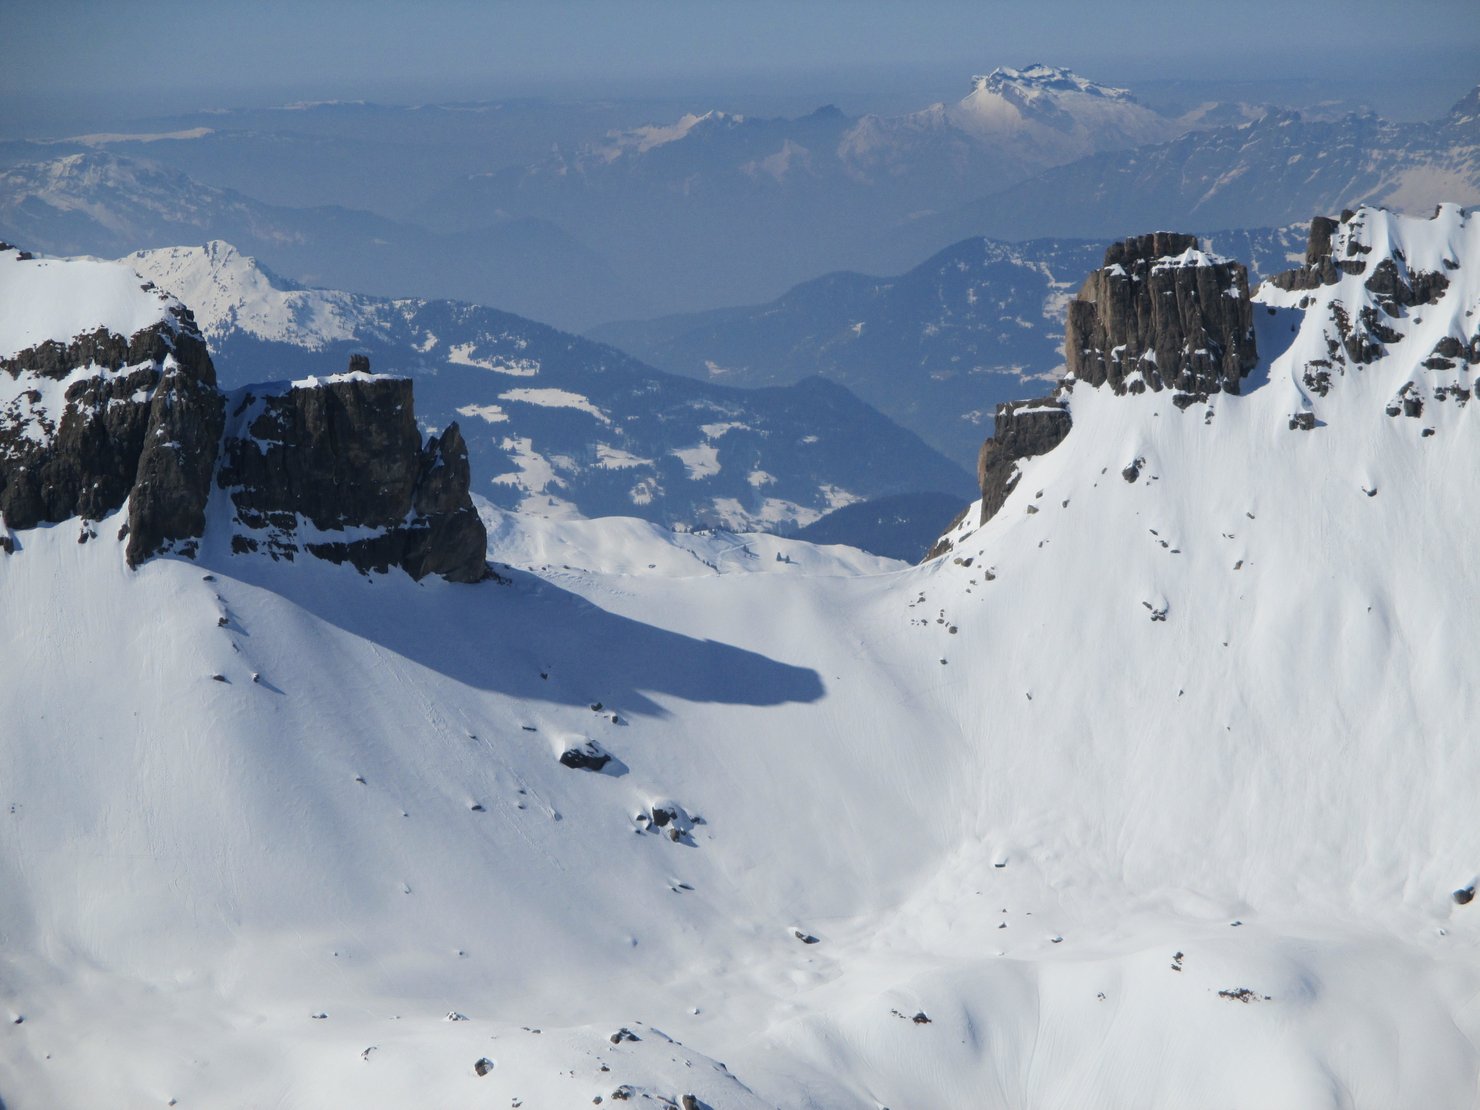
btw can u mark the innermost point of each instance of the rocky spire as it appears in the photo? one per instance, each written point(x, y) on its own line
point(1162, 314)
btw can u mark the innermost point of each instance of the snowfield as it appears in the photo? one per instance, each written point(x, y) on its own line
point(1149, 793)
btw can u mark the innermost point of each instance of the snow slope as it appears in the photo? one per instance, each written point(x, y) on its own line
point(999, 792)
point(52, 299)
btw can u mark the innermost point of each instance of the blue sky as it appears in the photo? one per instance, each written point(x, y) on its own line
point(229, 52)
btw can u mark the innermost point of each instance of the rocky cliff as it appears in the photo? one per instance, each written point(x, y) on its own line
point(1159, 314)
point(1162, 314)
point(103, 418)
point(96, 417)
point(1021, 430)
point(337, 468)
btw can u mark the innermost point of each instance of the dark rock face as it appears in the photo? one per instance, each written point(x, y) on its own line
point(1320, 268)
point(144, 422)
point(1180, 324)
point(347, 454)
point(1022, 429)
point(110, 351)
point(168, 501)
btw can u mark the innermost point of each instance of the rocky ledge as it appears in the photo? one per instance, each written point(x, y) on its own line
point(1162, 314)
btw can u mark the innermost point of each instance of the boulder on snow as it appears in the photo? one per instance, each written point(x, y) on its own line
point(585, 756)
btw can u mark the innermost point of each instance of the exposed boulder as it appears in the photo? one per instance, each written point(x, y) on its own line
point(1162, 314)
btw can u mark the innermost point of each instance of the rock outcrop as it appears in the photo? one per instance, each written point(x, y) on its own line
point(1162, 314)
point(106, 418)
point(1022, 429)
point(337, 468)
point(1159, 314)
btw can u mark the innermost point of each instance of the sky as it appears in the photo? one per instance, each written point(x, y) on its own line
point(147, 54)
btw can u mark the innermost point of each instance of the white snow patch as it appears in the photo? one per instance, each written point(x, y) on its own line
point(555, 399)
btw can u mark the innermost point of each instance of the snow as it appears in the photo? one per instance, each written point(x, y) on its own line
point(493, 414)
point(1270, 790)
point(555, 399)
point(534, 474)
point(1189, 259)
point(461, 354)
point(226, 289)
point(702, 460)
point(614, 458)
point(60, 299)
point(313, 381)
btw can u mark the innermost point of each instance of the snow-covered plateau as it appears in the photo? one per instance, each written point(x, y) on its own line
point(1156, 790)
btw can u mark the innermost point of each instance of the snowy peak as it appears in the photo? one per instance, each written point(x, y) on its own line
point(1056, 113)
point(230, 291)
point(1466, 109)
point(1037, 81)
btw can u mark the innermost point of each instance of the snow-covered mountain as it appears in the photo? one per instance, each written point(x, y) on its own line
point(1153, 792)
point(1039, 115)
point(935, 348)
point(784, 199)
point(556, 424)
point(1273, 169)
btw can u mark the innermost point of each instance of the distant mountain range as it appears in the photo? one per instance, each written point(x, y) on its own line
point(1273, 169)
point(100, 203)
point(693, 210)
point(560, 425)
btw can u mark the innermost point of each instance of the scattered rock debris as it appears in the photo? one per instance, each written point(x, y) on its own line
point(483, 1066)
point(623, 1034)
point(1243, 994)
point(1177, 962)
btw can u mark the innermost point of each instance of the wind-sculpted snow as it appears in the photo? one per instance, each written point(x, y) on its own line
point(1152, 792)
